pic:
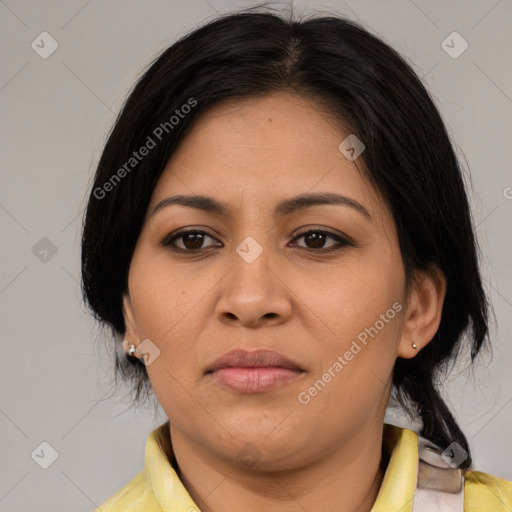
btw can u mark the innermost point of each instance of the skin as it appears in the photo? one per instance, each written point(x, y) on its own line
point(307, 305)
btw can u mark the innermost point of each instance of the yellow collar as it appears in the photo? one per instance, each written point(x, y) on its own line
point(399, 483)
point(396, 492)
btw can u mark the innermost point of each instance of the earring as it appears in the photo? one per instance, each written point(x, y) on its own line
point(131, 348)
point(414, 345)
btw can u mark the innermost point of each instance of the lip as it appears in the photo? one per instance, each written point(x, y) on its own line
point(253, 359)
point(253, 372)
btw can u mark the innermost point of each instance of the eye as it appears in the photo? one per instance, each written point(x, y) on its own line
point(315, 240)
point(191, 240)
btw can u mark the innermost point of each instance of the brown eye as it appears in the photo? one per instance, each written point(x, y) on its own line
point(315, 239)
point(191, 240)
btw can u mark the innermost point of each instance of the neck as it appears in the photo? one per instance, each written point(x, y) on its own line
point(348, 479)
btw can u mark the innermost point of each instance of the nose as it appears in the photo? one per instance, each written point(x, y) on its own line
point(254, 293)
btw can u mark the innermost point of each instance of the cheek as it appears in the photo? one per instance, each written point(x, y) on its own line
point(363, 311)
point(169, 312)
point(173, 319)
point(364, 316)
point(163, 296)
point(353, 298)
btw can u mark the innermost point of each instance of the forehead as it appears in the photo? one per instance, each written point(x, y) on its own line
point(264, 149)
point(277, 124)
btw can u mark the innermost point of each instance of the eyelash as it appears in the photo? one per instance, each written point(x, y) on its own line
point(169, 240)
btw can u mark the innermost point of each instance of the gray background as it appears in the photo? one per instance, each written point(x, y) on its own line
point(55, 374)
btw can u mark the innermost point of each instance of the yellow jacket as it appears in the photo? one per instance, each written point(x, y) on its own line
point(416, 480)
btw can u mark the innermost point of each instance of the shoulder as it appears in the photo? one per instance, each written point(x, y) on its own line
point(443, 486)
point(135, 495)
point(485, 492)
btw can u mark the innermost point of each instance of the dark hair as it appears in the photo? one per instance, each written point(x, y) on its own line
point(368, 87)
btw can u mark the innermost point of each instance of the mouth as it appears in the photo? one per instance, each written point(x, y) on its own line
point(253, 372)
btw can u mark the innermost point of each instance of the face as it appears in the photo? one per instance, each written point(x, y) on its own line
point(322, 284)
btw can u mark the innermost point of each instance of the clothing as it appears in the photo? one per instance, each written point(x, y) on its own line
point(417, 479)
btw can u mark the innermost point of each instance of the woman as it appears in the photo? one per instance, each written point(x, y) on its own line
point(278, 229)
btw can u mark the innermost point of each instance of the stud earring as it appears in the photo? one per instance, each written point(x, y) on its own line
point(414, 345)
point(131, 348)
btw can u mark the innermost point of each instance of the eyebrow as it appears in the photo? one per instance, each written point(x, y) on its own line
point(286, 207)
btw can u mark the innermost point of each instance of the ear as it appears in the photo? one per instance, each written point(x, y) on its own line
point(423, 313)
point(130, 334)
